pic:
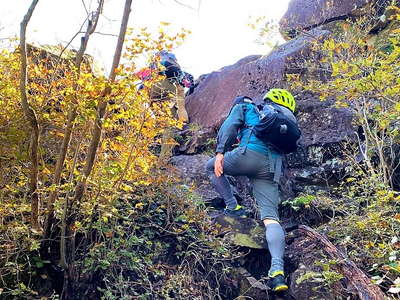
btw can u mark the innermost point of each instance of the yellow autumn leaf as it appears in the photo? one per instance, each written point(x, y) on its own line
point(46, 171)
point(139, 205)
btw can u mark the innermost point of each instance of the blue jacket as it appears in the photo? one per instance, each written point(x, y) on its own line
point(238, 126)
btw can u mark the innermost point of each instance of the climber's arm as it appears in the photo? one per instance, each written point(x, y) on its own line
point(227, 134)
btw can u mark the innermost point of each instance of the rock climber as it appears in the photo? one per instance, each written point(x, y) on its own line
point(261, 164)
point(171, 87)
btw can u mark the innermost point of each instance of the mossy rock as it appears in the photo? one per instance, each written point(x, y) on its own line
point(245, 232)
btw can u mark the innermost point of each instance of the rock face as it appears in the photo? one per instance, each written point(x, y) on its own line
point(304, 253)
point(192, 169)
point(303, 15)
point(323, 125)
point(251, 76)
point(306, 14)
point(317, 165)
point(195, 141)
point(243, 232)
point(250, 287)
point(214, 93)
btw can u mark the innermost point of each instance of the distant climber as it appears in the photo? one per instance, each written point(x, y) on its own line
point(260, 161)
point(172, 87)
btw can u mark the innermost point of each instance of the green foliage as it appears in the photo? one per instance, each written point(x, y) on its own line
point(136, 233)
point(301, 201)
point(326, 276)
point(353, 69)
point(156, 244)
point(20, 259)
point(369, 230)
point(361, 72)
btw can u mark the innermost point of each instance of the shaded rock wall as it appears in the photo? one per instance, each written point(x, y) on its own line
point(317, 164)
point(303, 15)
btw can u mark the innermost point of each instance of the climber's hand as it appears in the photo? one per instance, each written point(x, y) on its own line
point(219, 164)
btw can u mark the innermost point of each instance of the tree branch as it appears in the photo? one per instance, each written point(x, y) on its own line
point(107, 34)
point(357, 281)
point(101, 108)
point(31, 116)
point(121, 38)
point(72, 113)
point(84, 6)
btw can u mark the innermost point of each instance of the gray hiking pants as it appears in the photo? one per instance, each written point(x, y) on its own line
point(257, 167)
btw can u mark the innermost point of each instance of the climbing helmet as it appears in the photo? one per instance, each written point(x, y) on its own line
point(281, 97)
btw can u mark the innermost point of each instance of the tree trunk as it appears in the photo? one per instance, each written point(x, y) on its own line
point(68, 236)
point(31, 116)
point(72, 113)
point(357, 281)
point(102, 106)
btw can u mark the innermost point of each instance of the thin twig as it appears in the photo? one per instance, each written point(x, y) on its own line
point(84, 6)
point(107, 34)
point(184, 5)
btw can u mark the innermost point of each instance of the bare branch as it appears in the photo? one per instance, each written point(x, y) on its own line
point(120, 43)
point(107, 34)
point(103, 33)
point(31, 116)
point(84, 6)
point(93, 19)
point(102, 106)
point(184, 5)
point(91, 27)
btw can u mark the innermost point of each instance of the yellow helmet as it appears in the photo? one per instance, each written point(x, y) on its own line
point(281, 97)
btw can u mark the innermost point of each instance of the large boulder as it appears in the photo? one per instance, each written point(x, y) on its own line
point(306, 14)
point(192, 170)
point(303, 15)
point(211, 99)
point(324, 126)
point(251, 76)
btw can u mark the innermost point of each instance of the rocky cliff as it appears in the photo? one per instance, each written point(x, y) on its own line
point(324, 126)
point(318, 164)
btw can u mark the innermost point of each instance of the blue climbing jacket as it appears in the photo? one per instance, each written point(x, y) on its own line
point(237, 125)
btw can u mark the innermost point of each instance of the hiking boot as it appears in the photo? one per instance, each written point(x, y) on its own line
point(277, 282)
point(238, 212)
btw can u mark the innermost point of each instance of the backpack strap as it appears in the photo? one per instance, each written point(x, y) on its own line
point(251, 132)
point(251, 129)
point(274, 166)
point(278, 168)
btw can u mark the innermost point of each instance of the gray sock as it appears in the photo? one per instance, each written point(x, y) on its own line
point(276, 245)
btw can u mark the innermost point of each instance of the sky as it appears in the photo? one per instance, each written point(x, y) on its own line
point(220, 32)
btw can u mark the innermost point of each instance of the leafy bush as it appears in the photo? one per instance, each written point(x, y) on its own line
point(361, 72)
point(157, 243)
point(135, 232)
